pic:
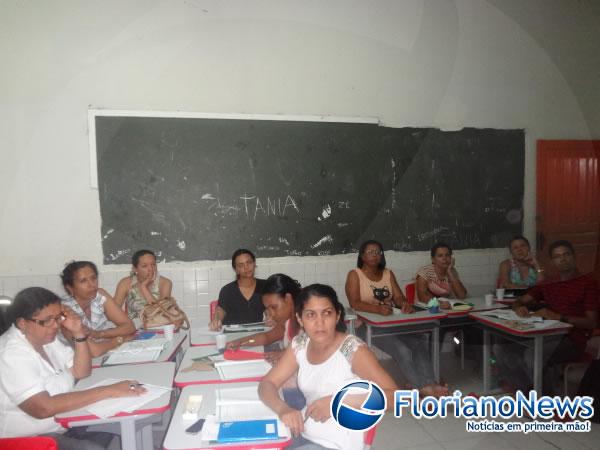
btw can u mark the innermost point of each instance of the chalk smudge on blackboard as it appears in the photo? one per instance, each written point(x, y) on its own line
point(155, 233)
point(326, 213)
point(284, 240)
point(428, 234)
point(181, 245)
point(143, 203)
point(273, 248)
point(223, 209)
point(342, 224)
point(155, 177)
point(108, 232)
point(323, 240)
point(119, 253)
point(208, 197)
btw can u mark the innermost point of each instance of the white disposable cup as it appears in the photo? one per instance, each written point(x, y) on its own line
point(489, 299)
point(221, 341)
point(168, 331)
point(500, 294)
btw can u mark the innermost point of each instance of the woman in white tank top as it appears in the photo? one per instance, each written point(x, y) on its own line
point(326, 359)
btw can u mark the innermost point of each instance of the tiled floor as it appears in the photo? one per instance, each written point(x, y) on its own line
point(450, 434)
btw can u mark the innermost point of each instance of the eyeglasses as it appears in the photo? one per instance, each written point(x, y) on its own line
point(373, 252)
point(49, 321)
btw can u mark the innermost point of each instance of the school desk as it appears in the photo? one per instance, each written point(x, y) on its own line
point(379, 326)
point(135, 427)
point(211, 376)
point(494, 325)
point(177, 439)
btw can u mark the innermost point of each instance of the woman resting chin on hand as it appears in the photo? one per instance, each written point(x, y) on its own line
point(38, 371)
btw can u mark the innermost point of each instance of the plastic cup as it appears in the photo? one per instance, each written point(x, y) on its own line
point(221, 341)
point(434, 309)
point(168, 331)
point(489, 299)
point(500, 293)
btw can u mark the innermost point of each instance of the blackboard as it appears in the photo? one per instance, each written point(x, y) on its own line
point(196, 188)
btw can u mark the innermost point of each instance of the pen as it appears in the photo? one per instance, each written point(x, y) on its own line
point(132, 386)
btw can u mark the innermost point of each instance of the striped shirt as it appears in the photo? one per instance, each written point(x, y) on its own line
point(98, 320)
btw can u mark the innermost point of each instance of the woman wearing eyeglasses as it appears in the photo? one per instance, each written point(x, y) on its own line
point(108, 325)
point(38, 371)
point(371, 287)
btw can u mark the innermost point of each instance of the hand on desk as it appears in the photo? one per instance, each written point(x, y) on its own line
point(407, 308)
point(127, 388)
point(521, 311)
point(385, 309)
point(547, 314)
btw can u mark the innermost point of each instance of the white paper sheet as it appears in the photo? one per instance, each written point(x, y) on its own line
point(111, 406)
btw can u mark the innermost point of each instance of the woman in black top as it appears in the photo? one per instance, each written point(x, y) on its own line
point(240, 301)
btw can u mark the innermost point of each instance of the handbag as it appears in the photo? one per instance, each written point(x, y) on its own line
point(163, 312)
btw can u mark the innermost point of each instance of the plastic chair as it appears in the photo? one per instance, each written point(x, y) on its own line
point(4, 319)
point(410, 291)
point(369, 438)
point(29, 443)
point(213, 309)
point(350, 320)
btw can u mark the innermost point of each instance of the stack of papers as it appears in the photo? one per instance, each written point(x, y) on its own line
point(509, 314)
point(111, 406)
point(521, 323)
point(136, 351)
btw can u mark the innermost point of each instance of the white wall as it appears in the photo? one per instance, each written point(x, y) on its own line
point(411, 63)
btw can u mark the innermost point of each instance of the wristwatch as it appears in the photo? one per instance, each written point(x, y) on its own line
point(80, 339)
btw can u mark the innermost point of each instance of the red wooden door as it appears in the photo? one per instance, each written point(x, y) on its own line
point(568, 196)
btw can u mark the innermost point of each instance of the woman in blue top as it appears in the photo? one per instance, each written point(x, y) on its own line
point(522, 270)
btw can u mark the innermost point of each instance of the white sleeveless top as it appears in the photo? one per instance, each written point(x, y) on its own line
point(321, 380)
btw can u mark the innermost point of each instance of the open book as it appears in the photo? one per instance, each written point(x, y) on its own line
point(232, 370)
point(136, 351)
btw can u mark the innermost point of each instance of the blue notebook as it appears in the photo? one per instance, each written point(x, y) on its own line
point(248, 430)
